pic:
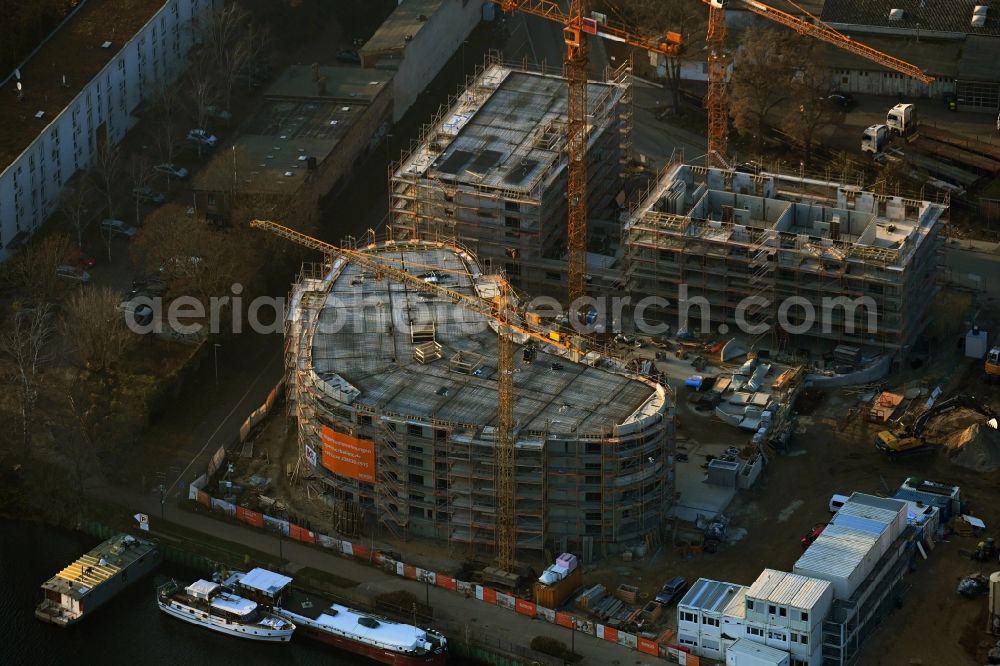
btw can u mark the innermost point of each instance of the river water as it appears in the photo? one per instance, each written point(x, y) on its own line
point(129, 629)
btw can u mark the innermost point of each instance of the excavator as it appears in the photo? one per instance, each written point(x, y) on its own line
point(909, 440)
point(992, 365)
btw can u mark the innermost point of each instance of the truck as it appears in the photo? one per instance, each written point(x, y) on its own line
point(874, 139)
point(902, 119)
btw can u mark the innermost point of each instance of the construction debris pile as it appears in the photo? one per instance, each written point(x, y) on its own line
point(976, 447)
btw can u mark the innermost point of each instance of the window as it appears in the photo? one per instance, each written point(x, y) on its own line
point(804, 615)
point(782, 611)
point(688, 641)
point(772, 609)
point(777, 636)
point(592, 480)
point(592, 497)
point(711, 621)
point(417, 479)
point(414, 462)
point(749, 604)
point(688, 617)
point(804, 639)
point(512, 205)
point(211, 200)
point(754, 631)
point(555, 277)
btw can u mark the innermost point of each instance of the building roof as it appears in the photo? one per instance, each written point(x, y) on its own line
point(404, 22)
point(354, 343)
point(506, 132)
point(948, 16)
point(265, 581)
point(73, 50)
point(713, 596)
point(92, 569)
point(837, 552)
point(788, 589)
point(300, 117)
point(765, 654)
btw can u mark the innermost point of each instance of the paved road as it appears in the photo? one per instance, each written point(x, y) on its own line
point(975, 266)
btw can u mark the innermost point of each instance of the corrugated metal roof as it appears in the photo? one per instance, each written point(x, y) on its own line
point(885, 503)
point(712, 596)
point(838, 551)
point(787, 589)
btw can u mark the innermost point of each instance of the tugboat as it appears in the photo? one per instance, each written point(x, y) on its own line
point(207, 604)
point(376, 638)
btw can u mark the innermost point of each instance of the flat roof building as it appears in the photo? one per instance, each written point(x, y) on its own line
point(307, 134)
point(395, 390)
point(490, 172)
point(752, 245)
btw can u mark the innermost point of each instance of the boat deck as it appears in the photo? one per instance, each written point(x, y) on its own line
point(306, 604)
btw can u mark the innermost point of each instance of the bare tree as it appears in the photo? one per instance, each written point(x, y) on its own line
point(760, 80)
point(106, 172)
point(809, 108)
point(140, 174)
point(166, 131)
point(32, 272)
point(203, 92)
point(26, 344)
point(227, 34)
point(686, 17)
point(96, 329)
point(256, 40)
point(74, 203)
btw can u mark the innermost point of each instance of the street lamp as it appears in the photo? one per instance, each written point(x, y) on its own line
point(215, 353)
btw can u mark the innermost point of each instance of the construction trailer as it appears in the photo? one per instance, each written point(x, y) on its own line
point(395, 392)
point(749, 242)
point(489, 171)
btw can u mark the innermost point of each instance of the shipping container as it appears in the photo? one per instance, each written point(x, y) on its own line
point(553, 596)
point(841, 555)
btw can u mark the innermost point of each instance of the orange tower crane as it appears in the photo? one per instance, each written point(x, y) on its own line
point(577, 24)
point(502, 310)
point(715, 102)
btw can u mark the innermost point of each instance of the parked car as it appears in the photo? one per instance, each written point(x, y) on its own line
point(349, 56)
point(72, 273)
point(140, 313)
point(842, 100)
point(76, 257)
point(202, 137)
point(672, 591)
point(150, 195)
point(118, 227)
point(812, 534)
point(172, 170)
point(218, 114)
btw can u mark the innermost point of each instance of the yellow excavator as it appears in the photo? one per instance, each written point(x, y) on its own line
point(992, 366)
point(908, 440)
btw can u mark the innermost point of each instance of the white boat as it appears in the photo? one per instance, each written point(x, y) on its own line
point(208, 604)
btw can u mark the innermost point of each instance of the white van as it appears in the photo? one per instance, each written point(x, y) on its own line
point(836, 502)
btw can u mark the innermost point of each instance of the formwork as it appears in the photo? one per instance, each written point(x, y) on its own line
point(489, 170)
point(747, 243)
point(413, 377)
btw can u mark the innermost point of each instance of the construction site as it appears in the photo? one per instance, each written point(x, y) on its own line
point(490, 171)
point(395, 389)
point(746, 243)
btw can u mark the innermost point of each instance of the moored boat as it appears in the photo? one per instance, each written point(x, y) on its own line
point(376, 638)
point(209, 605)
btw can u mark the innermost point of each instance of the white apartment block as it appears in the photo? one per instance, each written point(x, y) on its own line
point(68, 137)
point(786, 611)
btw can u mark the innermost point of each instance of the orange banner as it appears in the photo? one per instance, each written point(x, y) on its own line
point(564, 620)
point(490, 595)
point(360, 552)
point(525, 607)
point(447, 582)
point(348, 456)
point(648, 646)
point(249, 517)
point(301, 534)
point(610, 634)
point(409, 571)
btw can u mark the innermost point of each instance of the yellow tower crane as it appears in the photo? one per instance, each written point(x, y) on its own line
point(502, 310)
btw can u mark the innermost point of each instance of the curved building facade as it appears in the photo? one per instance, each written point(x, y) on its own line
point(395, 391)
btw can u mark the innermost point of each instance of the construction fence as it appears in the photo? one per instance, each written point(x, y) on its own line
point(660, 647)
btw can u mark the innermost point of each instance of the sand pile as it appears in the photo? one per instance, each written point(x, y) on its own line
point(975, 447)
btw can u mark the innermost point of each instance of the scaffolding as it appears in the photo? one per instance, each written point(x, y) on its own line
point(749, 242)
point(593, 455)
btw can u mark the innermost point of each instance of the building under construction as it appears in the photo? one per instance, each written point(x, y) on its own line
point(395, 388)
point(490, 171)
point(748, 243)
